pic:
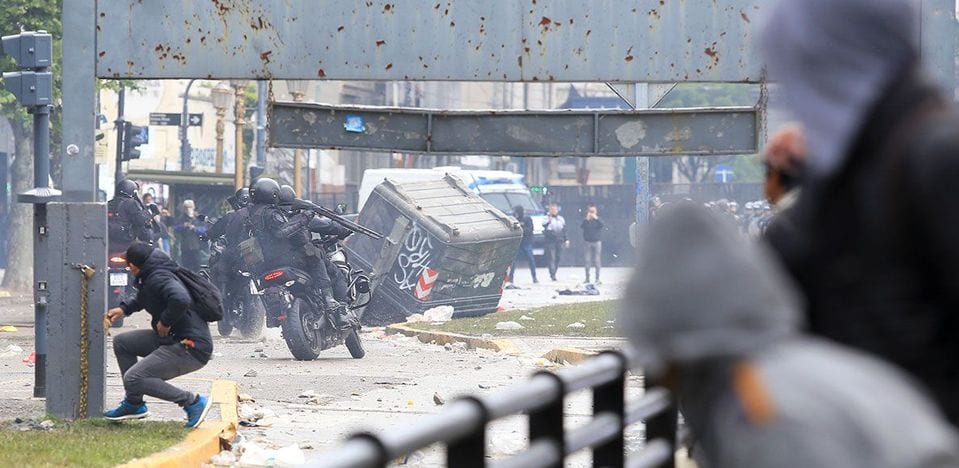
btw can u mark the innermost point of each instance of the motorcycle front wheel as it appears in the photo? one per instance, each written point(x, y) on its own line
point(354, 344)
point(299, 332)
point(252, 317)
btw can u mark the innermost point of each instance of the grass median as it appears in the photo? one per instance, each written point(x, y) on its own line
point(86, 443)
point(596, 318)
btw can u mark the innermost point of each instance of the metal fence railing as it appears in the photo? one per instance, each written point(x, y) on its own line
point(462, 426)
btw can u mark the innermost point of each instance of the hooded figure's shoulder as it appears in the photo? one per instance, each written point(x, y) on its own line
point(851, 408)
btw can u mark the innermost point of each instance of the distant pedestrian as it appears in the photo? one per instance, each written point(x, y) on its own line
point(178, 342)
point(525, 246)
point(593, 228)
point(874, 245)
point(189, 228)
point(554, 234)
point(754, 390)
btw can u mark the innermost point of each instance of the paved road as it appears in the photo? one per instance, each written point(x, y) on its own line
point(396, 381)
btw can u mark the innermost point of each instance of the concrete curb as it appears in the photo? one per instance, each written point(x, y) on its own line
point(204, 442)
point(442, 338)
point(568, 355)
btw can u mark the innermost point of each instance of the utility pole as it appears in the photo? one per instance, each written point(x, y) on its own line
point(119, 126)
point(186, 162)
point(238, 121)
point(261, 124)
point(33, 88)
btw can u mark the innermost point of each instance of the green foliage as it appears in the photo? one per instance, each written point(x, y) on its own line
point(547, 321)
point(29, 15)
point(88, 443)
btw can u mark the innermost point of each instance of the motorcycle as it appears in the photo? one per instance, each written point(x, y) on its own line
point(308, 327)
point(243, 307)
point(121, 283)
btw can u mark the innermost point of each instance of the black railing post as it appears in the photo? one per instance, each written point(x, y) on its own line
point(611, 398)
point(663, 425)
point(382, 455)
point(546, 423)
point(470, 450)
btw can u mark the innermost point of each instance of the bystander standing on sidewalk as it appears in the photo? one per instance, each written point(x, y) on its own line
point(593, 228)
point(554, 233)
point(178, 342)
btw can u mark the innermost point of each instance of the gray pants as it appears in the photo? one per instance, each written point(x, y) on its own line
point(594, 258)
point(160, 363)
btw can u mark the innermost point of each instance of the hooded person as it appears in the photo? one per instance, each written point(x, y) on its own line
point(177, 343)
point(872, 238)
point(755, 391)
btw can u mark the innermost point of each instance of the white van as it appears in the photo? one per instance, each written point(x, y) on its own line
point(502, 189)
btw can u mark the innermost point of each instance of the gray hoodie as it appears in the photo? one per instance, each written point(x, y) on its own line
point(756, 392)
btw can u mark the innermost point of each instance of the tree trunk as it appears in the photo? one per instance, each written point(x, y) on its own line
point(19, 274)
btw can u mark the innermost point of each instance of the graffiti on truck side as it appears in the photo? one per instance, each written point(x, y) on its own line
point(413, 259)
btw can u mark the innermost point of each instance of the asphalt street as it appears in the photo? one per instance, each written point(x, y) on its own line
point(316, 404)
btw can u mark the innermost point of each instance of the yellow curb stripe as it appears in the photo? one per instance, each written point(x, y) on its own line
point(442, 338)
point(568, 355)
point(204, 442)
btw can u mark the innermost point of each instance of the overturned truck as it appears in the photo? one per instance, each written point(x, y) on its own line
point(444, 245)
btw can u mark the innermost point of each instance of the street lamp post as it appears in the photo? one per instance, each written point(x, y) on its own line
point(298, 90)
point(221, 95)
point(239, 121)
point(186, 162)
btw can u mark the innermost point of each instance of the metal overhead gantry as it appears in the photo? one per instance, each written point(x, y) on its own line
point(465, 40)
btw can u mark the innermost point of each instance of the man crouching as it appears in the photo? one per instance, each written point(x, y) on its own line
point(178, 343)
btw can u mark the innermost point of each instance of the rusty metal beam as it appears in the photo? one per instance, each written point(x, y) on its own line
point(651, 132)
point(465, 40)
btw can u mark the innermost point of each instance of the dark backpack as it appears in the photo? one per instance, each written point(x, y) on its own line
point(207, 301)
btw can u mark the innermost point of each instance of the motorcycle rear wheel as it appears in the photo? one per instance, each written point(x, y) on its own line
point(354, 344)
point(303, 341)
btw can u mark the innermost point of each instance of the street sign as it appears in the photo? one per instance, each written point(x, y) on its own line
point(173, 119)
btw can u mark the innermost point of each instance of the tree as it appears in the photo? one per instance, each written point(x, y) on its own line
point(17, 15)
point(697, 169)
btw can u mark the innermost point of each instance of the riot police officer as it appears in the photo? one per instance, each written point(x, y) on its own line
point(286, 242)
point(127, 219)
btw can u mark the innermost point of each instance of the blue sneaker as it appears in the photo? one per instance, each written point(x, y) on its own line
point(127, 411)
point(196, 412)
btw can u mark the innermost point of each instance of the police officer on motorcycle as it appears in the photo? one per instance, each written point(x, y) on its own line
point(127, 219)
point(285, 241)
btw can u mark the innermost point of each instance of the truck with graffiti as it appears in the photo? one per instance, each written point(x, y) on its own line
point(444, 245)
point(502, 189)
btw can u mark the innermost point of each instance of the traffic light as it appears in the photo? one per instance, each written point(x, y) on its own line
point(33, 53)
point(133, 137)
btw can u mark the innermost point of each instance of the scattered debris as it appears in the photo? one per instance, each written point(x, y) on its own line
point(526, 317)
point(10, 351)
point(258, 349)
point(585, 290)
point(484, 386)
point(576, 325)
point(224, 458)
point(8, 328)
point(439, 314)
point(416, 318)
point(307, 394)
point(252, 455)
point(244, 397)
point(509, 326)
point(250, 373)
point(47, 424)
point(438, 399)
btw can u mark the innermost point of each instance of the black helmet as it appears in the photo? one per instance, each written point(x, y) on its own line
point(287, 195)
point(265, 191)
point(127, 188)
point(242, 197)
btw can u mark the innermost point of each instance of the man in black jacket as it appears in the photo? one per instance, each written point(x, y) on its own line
point(178, 343)
point(525, 245)
point(873, 243)
point(593, 228)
